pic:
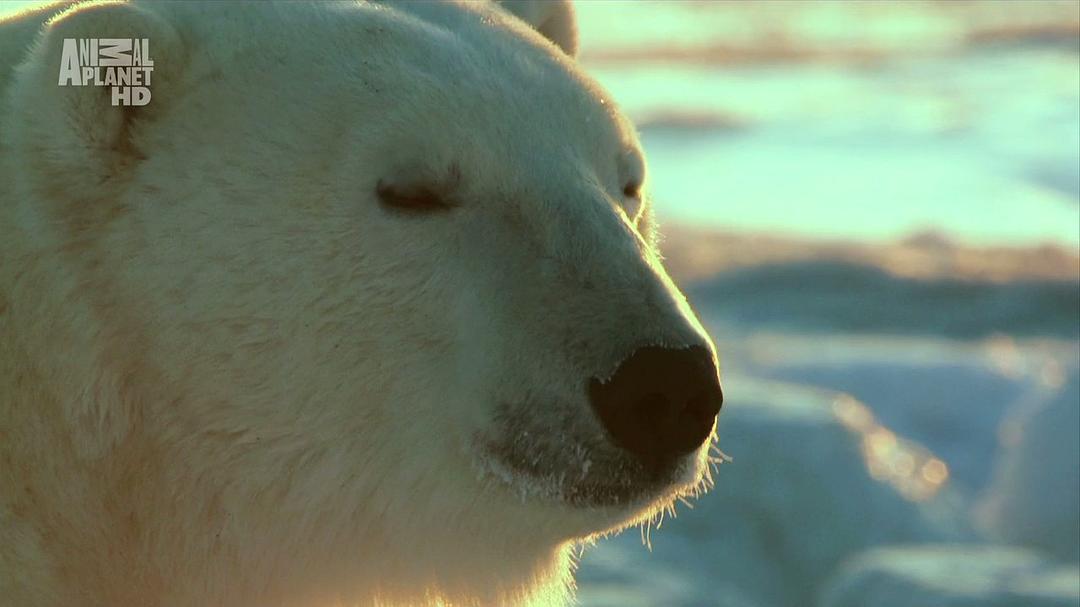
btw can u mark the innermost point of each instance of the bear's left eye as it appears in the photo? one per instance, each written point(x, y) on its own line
point(632, 189)
point(411, 198)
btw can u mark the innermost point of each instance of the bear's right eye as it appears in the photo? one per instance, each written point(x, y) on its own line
point(415, 199)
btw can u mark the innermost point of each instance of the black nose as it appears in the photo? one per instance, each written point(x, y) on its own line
point(661, 403)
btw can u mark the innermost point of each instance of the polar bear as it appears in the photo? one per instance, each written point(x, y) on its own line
point(363, 307)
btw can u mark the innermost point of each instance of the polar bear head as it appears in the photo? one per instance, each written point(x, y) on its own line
point(377, 285)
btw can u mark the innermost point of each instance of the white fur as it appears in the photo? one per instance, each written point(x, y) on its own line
point(228, 376)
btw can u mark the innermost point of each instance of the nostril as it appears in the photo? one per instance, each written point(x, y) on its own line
point(660, 403)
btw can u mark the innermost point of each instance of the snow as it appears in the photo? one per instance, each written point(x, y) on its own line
point(819, 476)
point(953, 576)
point(768, 128)
point(1035, 496)
point(903, 408)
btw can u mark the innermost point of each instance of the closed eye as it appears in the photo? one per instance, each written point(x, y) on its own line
point(414, 199)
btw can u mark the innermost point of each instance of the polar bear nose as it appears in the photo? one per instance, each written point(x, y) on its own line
point(660, 403)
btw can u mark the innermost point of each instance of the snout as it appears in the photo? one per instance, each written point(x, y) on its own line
point(660, 404)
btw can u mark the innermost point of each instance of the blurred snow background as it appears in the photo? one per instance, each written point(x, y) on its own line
point(875, 207)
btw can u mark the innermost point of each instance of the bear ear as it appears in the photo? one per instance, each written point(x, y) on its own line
point(553, 18)
point(68, 136)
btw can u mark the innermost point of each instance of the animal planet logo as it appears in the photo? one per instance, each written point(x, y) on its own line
point(122, 63)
